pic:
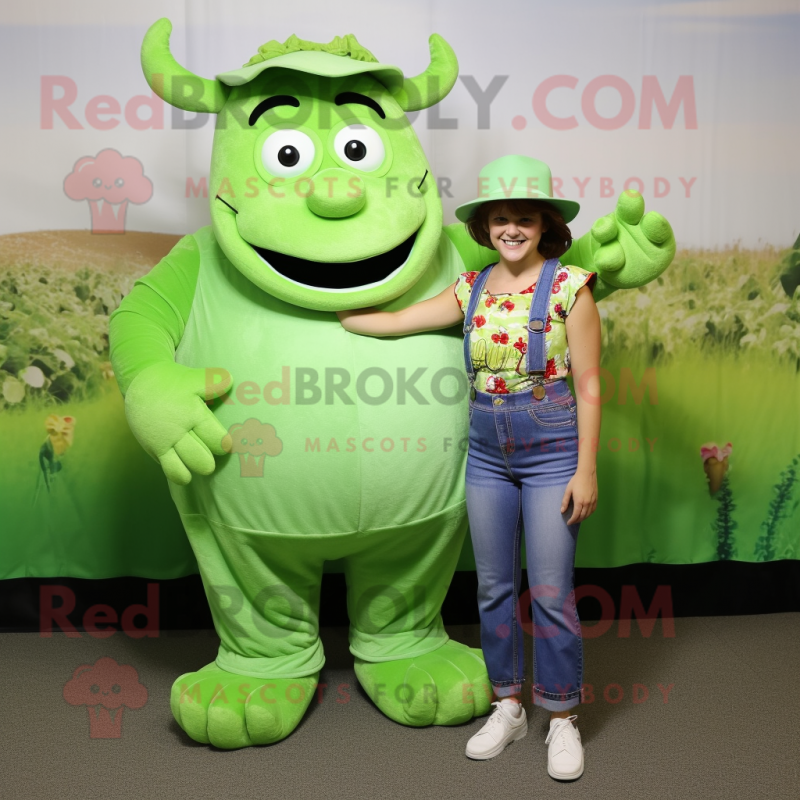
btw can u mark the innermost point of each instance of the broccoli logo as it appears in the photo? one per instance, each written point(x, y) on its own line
point(108, 181)
point(106, 689)
point(253, 440)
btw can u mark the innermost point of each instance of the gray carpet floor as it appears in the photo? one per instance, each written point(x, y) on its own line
point(728, 728)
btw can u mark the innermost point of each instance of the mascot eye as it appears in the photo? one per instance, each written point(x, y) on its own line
point(94, 689)
point(119, 183)
point(355, 150)
point(288, 156)
point(97, 182)
point(287, 153)
point(116, 688)
point(360, 145)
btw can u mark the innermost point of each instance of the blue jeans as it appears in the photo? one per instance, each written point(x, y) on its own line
point(522, 453)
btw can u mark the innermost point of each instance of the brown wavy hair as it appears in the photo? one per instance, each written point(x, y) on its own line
point(555, 241)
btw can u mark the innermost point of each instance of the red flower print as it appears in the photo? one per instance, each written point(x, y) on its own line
point(530, 289)
point(490, 301)
point(500, 338)
point(550, 369)
point(460, 304)
point(562, 276)
point(469, 277)
point(559, 309)
point(507, 305)
point(495, 385)
point(556, 287)
point(521, 346)
point(548, 327)
point(479, 321)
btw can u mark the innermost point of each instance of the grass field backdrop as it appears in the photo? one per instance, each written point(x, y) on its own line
point(717, 331)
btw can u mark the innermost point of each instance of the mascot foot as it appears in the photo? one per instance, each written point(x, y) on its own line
point(231, 711)
point(446, 687)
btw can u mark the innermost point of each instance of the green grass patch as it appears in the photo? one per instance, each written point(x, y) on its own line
point(108, 512)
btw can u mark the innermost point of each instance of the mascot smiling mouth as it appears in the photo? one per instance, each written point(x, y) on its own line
point(341, 275)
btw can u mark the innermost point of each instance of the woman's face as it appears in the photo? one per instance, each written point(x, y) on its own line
point(516, 237)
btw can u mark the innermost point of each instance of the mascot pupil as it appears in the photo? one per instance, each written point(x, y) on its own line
point(322, 200)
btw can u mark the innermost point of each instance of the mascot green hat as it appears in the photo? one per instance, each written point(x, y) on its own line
point(339, 58)
point(517, 178)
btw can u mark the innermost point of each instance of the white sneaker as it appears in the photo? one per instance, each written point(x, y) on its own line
point(502, 728)
point(565, 751)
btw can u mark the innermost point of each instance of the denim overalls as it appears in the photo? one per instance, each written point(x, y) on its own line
point(523, 450)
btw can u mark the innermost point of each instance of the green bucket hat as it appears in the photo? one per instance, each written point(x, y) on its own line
point(337, 59)
point(517, 178)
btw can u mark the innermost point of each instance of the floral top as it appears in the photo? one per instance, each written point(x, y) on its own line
point(499, 340)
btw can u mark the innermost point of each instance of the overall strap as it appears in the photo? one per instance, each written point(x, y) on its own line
point(540, 304)
point(469, 325)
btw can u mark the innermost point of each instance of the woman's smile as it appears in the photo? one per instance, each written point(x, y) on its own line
point(516, 237)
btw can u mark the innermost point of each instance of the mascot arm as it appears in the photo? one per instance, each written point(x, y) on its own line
point(164, 401)
point(148, 325)
point(626, 248)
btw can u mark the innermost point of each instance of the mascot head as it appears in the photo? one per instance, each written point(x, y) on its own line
point(320, 192)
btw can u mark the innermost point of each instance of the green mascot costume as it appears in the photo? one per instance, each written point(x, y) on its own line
point(289, 442)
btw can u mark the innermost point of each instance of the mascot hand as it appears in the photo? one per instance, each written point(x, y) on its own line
point(628, 248)
point(166, 409)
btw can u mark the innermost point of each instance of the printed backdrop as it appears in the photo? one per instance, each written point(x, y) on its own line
point(692, 103)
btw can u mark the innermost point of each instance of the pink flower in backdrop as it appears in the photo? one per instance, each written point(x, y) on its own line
point(715, 463)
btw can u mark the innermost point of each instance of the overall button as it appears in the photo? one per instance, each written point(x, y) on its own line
point(539, 392)
point(498, 401)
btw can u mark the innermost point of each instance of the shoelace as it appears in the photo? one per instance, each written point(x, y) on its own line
point(560, 728)
point(497, 714)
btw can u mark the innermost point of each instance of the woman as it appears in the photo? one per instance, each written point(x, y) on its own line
point(528, 323)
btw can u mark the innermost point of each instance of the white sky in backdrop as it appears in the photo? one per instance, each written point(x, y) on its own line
point(743, 56)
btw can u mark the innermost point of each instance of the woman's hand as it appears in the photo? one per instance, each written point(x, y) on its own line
point(583, 337)
point(582, 489)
